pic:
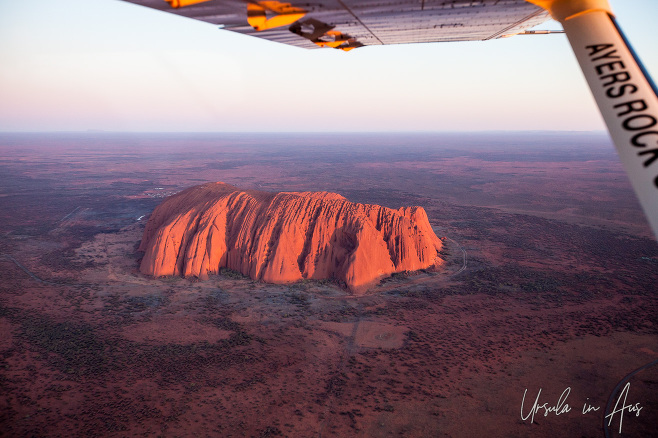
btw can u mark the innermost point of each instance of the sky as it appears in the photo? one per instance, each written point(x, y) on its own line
point(78, 65)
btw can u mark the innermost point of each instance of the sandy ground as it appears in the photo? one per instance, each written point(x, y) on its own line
point(235, 357)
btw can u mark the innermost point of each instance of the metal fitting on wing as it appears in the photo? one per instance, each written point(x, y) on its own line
point(282, 14)
point(562, 10)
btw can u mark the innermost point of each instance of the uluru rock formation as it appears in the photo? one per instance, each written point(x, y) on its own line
point(284, 237)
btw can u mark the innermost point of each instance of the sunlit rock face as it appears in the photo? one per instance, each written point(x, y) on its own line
point(285, 237)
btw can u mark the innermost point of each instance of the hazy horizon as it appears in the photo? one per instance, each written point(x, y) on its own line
point(161, 72)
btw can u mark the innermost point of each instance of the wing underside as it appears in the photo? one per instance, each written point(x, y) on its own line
point(346, 24)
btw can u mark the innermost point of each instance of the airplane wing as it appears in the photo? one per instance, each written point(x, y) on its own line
point(347, 24)
point(624, 92)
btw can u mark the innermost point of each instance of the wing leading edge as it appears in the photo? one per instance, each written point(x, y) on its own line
point(347, 24)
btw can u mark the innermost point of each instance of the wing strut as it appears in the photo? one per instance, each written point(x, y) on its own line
point(623, 90)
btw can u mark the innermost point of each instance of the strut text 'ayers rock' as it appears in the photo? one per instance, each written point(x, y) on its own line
point(285, 237)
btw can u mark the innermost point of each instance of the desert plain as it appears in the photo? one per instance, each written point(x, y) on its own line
point(548, 289)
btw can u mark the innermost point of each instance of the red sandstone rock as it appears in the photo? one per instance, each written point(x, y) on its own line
point(284, 237)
